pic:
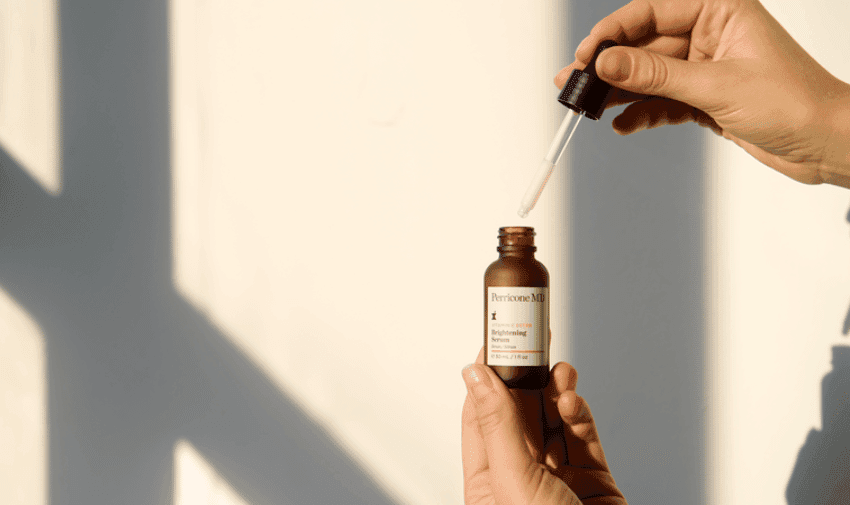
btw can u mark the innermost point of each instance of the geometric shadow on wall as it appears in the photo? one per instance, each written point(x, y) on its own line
point(822, 472)
point(131, 366)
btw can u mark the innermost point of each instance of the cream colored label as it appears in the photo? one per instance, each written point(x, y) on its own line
point(517, 326)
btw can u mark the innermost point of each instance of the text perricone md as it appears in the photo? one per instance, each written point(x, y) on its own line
point(540, 297)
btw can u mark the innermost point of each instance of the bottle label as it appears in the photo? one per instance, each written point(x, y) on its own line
point(517, 326)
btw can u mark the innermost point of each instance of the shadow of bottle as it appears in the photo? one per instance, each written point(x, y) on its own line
point(822, 472)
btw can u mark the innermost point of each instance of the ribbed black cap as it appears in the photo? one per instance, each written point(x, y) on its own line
point(585, 92)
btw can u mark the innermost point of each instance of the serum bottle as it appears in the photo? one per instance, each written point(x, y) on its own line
point(516, 312)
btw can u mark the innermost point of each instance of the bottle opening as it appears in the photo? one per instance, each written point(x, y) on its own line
point(516, 237)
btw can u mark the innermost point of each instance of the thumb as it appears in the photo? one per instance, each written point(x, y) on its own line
point(503, 435)
point(649, 73)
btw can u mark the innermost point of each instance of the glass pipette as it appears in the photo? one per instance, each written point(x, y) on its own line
point(556, 149)
point(584, 93)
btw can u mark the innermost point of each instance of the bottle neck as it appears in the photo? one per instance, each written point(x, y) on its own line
point(523, 252)
point(516, 242)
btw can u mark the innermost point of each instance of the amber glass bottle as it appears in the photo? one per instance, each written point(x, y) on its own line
point(516, 312)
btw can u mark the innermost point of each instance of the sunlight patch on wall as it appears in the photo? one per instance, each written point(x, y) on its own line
point(339, 178)
point(29, 84)
point(196, 482)
point(186, 152)
point(23, 427)
point(771, 322)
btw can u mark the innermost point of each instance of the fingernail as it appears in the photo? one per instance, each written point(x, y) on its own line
point(614, 65)
point(582, 45)
point(469, 374)
point(477, 382)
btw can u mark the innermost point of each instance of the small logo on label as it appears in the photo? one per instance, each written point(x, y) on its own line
point(494, 316)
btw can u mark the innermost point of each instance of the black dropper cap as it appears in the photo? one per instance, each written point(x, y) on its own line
point(585, 92)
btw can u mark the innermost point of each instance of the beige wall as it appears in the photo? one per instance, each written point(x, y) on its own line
point(29, 86)
point(780, 289)
point(339, 173)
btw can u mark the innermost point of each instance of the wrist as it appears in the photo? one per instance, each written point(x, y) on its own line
point(835, 163)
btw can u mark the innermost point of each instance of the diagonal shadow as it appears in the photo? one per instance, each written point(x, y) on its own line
point(131, 366)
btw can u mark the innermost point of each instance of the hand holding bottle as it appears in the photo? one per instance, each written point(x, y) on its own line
point(727, 65)
point(531, 447)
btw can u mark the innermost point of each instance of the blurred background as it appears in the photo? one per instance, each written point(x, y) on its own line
point(242, 249)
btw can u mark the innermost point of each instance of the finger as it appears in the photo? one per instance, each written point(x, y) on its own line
point(630, 22)
point(473, 454)
point(496, 411)
point(563, 377)
point(529, 413)
point(532, 411)
point(649, 73)
point(673, 46)
point(550, 393)
point(582, 439)
point(618, 98)
point(530, 408)
point(472, 444)
point(638, 20)
point(654, 112)
point(530, 417)
point(595, 487)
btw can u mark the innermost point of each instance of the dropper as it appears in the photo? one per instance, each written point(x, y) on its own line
point(584, 93)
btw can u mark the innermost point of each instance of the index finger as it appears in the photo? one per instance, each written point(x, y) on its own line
point(639, 19)
point(584, 448)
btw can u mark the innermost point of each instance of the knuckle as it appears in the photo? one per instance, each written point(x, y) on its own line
point(468, 413)
point(584, 431)
point(654, 75)
point(537, 483)
point(492, 413)
point(544, 487)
